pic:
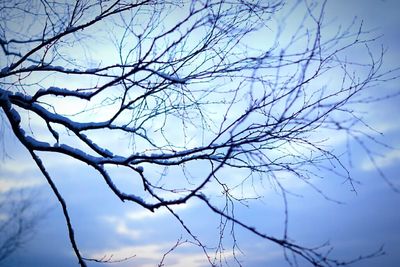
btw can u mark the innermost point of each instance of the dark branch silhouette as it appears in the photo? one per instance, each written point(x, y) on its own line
point(223, 84)
point(19, 217)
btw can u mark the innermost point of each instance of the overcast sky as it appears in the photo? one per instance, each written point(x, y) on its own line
point(365, 221)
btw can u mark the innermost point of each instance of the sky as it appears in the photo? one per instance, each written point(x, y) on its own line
point(364, 220)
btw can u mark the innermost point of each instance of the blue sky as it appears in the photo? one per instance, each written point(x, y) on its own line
point(104, 226)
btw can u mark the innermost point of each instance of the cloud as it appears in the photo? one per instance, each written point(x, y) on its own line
point(10, 184)
point(17, 167)
point(150, 255)
point(122, 228)
point(144, 214)
point(123, 224)
point(381, 162)
point(140, 215)
point(3, 217)
point(18, 175)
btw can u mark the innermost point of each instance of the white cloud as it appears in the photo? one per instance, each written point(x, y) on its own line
point(151, 255)
point(10, 184)
point(17, 167)
point(21, 167)
point(381, 162)
point(122, 228)
point(3, 217)
point(139, 215)
point(146, 251)
point(144, 214)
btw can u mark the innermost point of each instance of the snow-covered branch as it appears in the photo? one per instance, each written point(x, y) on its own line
point(130, 84)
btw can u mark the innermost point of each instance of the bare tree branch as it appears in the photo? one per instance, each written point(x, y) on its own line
point(222, 84)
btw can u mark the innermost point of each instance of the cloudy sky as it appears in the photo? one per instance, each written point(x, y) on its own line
point(362, 222)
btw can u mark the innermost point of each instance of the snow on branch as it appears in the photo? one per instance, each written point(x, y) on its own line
point(169, 77)
point(190, 104)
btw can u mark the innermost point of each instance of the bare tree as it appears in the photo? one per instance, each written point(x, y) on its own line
point(18, 220)
point(221, 85)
